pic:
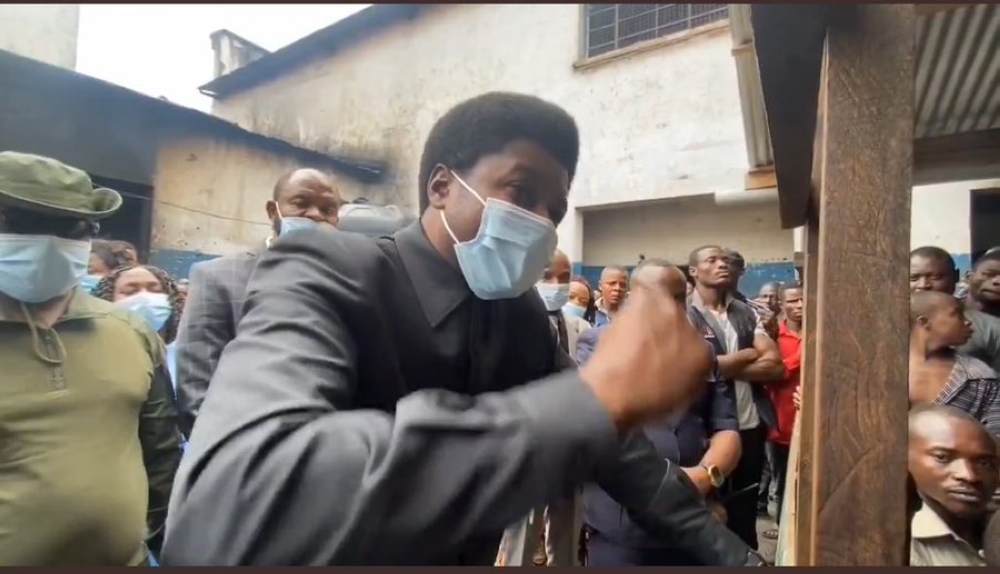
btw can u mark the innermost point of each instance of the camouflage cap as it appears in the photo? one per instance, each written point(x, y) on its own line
point(44, 185)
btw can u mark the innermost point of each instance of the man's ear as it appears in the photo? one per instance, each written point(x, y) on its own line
point(272, 209)
point(438, 186)
point(923, 321)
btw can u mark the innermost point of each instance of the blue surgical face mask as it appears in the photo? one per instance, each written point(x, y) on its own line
point(290, 224)
point(153, 307)
point(555, 295)
point(509, 253)
point(89, 282)
point(37, 268)
point(574, 310)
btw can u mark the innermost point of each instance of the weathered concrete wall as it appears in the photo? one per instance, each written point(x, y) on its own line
point(209, 193)
point(43, 32)
point(210, 197)
point(656, 124)
point(671, 230)
point(941, 216)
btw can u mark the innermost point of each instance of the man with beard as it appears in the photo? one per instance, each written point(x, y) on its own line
point(953, 463)
point(302, 199)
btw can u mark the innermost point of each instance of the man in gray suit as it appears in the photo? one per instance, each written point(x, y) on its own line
point(217, 289)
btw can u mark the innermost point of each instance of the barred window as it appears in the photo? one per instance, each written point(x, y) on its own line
point(614, 26)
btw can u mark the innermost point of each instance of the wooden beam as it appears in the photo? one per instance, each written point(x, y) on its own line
point(859, 394)
point(789, 44)
point(761, 179)
point(805, 469)
point(928, 9)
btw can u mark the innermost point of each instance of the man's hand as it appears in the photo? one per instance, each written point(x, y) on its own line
point(650, 361)
point(718, 511)
point(797, 397)
point(699, 476)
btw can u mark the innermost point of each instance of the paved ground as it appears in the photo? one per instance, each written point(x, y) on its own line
point(767, 547)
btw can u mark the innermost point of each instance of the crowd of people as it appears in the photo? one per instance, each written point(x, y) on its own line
point(449, 395)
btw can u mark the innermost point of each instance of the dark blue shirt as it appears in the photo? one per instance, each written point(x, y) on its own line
point(713, 411)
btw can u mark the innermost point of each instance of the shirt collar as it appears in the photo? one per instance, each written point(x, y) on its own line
point(81, 306)
point(784, 331)
point(695, 300)
point(439, 285)
point(927, 525)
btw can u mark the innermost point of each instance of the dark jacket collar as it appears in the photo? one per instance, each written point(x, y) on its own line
point(439, 285)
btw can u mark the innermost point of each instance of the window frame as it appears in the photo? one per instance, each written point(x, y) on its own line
point(584, 60)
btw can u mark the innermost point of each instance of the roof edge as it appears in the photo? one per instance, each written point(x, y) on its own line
point(341, 34)
point(364, 171)
point(228, 32)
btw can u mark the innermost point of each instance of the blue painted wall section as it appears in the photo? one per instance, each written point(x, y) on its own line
point(177, 262)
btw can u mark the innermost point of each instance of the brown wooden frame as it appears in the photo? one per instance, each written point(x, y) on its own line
point(838, 90)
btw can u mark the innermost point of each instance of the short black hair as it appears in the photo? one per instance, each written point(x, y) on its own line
point(696, 253)
point(934, 253)
point(485, 124)
point(990, 255)
point(736, 259)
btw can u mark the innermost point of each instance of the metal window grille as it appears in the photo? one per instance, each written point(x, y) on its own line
point(611, 27)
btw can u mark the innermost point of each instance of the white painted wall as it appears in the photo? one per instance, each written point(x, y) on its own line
point(43, 32)
point(940, 214)
point(657, 124)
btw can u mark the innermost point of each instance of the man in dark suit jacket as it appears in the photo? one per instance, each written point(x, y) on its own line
point(402, 400)
point(218, 288)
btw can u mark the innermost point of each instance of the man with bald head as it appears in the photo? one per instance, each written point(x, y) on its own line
point(217, 290)
point(941, 375)
point(702, 438)
point(954, 466)
point(933, 269)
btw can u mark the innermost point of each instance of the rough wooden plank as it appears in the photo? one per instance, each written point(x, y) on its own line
point(784, 554)
point(762, 178)
point(862, 292)
point(928, 9)
point(789, 44)
point(804, 515)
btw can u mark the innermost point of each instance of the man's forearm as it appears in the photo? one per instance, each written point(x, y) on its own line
point(763, 370)
point(663, 501)
point(363, 487)
point(732, 365)
point(724, 451)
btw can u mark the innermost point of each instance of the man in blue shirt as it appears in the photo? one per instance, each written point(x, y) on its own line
point(704, 440)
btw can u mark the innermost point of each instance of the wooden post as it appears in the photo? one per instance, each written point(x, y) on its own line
point(859, 396)
point(805, 482)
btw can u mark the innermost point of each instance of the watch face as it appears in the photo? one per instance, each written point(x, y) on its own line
point(716, 476)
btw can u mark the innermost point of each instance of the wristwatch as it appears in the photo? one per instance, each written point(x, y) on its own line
point(714, 475)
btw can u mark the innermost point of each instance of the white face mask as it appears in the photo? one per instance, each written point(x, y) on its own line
point(509, 253)
point(37, 268)
point(554, 295)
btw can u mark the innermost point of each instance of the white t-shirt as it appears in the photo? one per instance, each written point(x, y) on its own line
point(746, 410)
